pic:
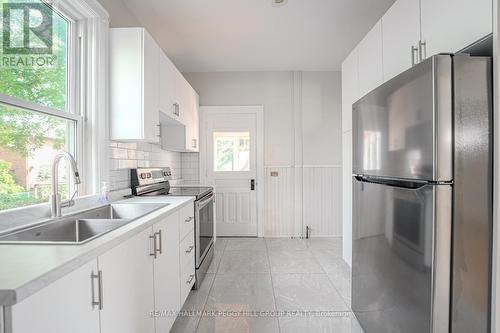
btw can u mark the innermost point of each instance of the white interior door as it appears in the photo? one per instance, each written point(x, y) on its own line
point(231, 143)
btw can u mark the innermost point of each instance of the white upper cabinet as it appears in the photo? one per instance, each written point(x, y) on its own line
point(192, 122)
point(450, 25)
point(180, 132)
point(167, 83)
point(370, 60)
point(350, 88)
point(134, 85)
point(400, 34)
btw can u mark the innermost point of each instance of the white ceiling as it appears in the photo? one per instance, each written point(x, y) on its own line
point(252, 35)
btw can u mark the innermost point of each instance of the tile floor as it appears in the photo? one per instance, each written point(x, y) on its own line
point(279, 275)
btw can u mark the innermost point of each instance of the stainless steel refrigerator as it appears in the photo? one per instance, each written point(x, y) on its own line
point(422, 199)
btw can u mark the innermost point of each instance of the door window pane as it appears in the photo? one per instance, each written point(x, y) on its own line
point(28, 143)
point(232, 151)
point(34, 68)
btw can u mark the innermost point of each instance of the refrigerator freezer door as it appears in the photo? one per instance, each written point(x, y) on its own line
point(473, 195)
point(401, 257)
point(403, 129)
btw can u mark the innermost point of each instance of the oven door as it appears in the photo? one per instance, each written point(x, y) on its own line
point(204, 227)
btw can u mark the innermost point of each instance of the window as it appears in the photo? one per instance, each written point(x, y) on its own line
point(232, 151)
point(38, 113)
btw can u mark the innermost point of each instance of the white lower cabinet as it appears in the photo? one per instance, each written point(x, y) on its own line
point(167, 273)
point(64, 306)
point(127, 282)
point(137, 286)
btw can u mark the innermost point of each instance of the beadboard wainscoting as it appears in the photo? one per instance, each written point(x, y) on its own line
point(319, 201)
point(279, 217)
point(126, 155)
point(322, 200)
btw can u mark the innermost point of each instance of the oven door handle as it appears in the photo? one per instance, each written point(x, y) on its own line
point(203, 203)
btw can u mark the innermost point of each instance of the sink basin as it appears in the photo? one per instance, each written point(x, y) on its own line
point(65, 231)
point(121, 211)
point(82, 227)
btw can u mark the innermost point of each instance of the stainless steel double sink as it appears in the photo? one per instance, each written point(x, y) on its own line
point(81, 227)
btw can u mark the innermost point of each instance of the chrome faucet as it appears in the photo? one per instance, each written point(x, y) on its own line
point(55, 198)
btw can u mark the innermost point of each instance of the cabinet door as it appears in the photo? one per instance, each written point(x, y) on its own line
point(127, 274)
point(167, 77)
point(166, 273)
point(400, 31)
point(195, 125)
point(64, 306)
point(151, 88)
point(450, 25)
point(179, 92)
point(370, 60)
point(191, 121)
point(350, 88)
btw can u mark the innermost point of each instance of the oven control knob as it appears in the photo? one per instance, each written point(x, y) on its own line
point(149, 175)
point(142, 176)
point(166, 173)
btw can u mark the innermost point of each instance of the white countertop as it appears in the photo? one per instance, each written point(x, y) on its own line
point(26, 269)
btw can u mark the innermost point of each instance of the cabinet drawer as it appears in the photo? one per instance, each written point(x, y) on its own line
point(187, 280)
point(186, 221)
point(187, 250)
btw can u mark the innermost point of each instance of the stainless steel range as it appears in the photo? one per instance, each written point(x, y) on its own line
point(155, 181)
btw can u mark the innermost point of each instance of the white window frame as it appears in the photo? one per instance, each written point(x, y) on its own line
point(87, 93)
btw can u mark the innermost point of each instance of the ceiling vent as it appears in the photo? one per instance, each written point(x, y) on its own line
point(277, 3)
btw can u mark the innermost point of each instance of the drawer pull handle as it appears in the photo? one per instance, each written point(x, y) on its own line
point(189, 219)
point(97, 276)
point(191, 277)
point(190, 249)
point(155, 246)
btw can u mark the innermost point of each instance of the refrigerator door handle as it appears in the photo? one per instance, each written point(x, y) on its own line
point(407, 184)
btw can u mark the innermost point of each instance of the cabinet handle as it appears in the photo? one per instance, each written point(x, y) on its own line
point(153, 237)
point(176, 109)
point(422, 50)
point(190, 249)
point(414, 51)
point(159, 130)
point(191, 277)
point(159, 242)
point(97, 276)
point(189, 219)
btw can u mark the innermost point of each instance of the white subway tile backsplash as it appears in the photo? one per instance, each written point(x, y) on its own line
point(127, 164)
point(132, 155)
point(126, 155)
point(190, 167)
point(127, 145)
point(118, 153)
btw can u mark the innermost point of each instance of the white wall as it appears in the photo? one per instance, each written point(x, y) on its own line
point(302, 120)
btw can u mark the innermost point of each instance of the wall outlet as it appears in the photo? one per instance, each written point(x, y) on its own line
point(274, 173)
